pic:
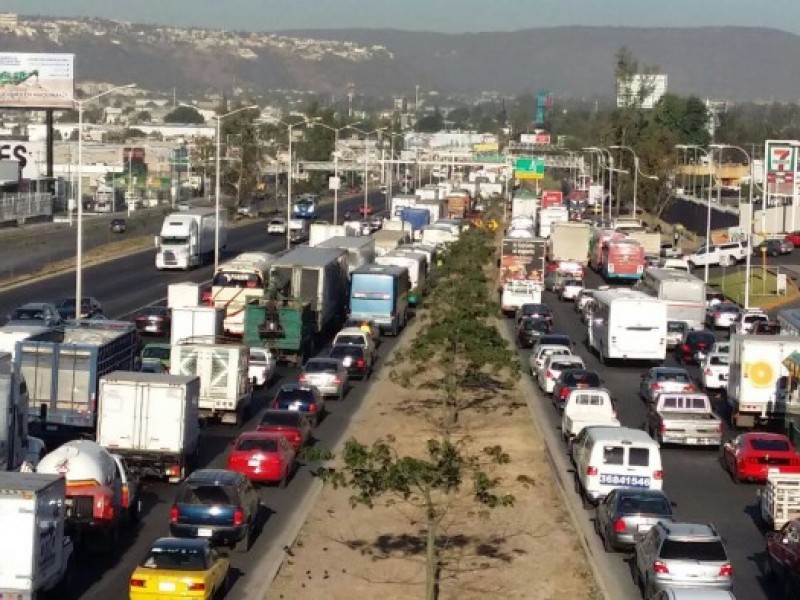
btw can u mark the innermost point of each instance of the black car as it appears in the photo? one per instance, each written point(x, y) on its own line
point(302, 398)
point(118, 225)
point(534, 310)
point(218, 505)
point(354, 359)
point(530, 329)
point(572, 379)
point(766, 328)
point(695, 346)
point(774, 247)
point(90, 308)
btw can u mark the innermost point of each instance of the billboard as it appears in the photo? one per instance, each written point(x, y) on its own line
point(540, 137)
point(552, 198)
point(29, 155)
point(522, 259)
point(133, 160)
point(36, 80)
point(642, 90)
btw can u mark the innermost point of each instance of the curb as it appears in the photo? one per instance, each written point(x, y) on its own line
point(607, 586)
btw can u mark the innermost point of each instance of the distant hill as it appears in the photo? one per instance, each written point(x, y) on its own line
point(737, 63)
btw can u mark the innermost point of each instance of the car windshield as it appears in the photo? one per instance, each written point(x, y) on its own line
point(769, 445)
point(535, 325)
point(208, 495)
point(702, 551)
point(573, 283)
point(675, 376)
point(176, 558)
point(719, 359)
point(261, 444)
point(276, 222)
point(281, 419)
point(321, 366)
point(644, 504)
point(700, 337)
point(534, 309)
point(159, 352)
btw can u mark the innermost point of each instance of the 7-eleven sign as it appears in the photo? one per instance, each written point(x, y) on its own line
point(781, 157)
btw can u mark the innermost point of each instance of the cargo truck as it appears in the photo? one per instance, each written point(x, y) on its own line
point(360, 250)
point(284, 325)
point(14, 440)
point(417, 266)
point(223, 369)
point(757, 379)
point(386, 241)
point(237, 282)
point(62, 376)
point(319, 232)
point(650, 241)
point(401, 202)
point(39, 556)
point(152, 421)
point(181, 295)
point(195, 322)
point(779, 500)
point(457, 205)
point(549, 216)
point(570, 242)
point(524, 206)
point(417, 218)
point(188, 238)
point(436, 208)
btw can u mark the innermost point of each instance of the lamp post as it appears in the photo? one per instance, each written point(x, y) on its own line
point(748, 261)
point(366, 163)
point(217, 176)
point(79, 242)
point(600, 175)
point(336, 131)
point(708, 214)
point(636, 172)
point(610, 169)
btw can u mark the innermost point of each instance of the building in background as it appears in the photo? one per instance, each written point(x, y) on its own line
point(642, 90)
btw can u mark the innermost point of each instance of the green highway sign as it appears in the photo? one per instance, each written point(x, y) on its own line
point(529, 168)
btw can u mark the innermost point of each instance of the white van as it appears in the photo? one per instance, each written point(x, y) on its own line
point(607, 458)
point(586, 407)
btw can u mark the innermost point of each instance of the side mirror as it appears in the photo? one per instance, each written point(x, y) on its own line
point(155, 241)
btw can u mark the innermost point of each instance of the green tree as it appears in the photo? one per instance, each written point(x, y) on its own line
point(686, 117)
point(242, 153)
point(68, 116)
point(183, 115)
point(430, 123)
point(143, 116)
point(460, 117)
point(428, 484)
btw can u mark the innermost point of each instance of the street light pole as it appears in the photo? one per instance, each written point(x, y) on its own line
point(336, 131)
point(79, 241)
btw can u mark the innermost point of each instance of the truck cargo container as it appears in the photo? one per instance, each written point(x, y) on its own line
point(650, 241)
point(224, 372)
point(429, 192)
point(360, 250)
point(457, 205)
point(436, 208)
point(570, 242)
point(152, 421)
point(195, 322)
point(521, 273)
point(14, 441)
point(400, 202)
point(757, 377)
point(524, 206)
point(684, 294)
point(11, 334)
point(417, 218)
point(236, 283)
point(552, 198)
point(181, 295)
point(62, 376)
point(549, 216)
point(386, 241)
point(188, 238)
point(39, 554)
point(284, 325)
point(319, 232)
point(379, 293)
point(417, 266)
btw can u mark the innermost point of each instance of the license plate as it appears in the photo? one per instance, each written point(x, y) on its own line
point(204, 533)
point(691, 440)
point(295, 406)
point(254, 462)
point(166, 586)
point(723, 377)
point(151, 328)
point(624, 480)
point(643, 528)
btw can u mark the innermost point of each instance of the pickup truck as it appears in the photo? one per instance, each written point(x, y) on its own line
point(586, 407)
point(685, 419)
point(779, 500)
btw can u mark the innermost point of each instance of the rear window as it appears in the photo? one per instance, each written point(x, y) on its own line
point(645, 504)
point(265, 445)
point(560, 366)
point(175, 559)
point(294, 394)
point(342, 351)
point(208, 495)
point(638, 457)
point(674, 326)
point(555, 340)
point(702, 551)
point(613, 455)
point(719, 360)
point(700, 337)
point(766, 445)
point(318, 366)
point(283, 419)
point(161, 353)
point(676, 377)
point(587, 378)
point(356, 340)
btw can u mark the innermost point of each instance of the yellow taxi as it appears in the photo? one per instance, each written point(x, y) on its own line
point(180, 568)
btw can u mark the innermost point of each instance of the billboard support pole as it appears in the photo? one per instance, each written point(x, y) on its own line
point(49, 122)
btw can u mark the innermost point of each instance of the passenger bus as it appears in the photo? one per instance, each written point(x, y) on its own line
point(684, 294)
point(628, 324)
point(601, 238)
point(238, 282)
point(623, 260)
point(379, 293)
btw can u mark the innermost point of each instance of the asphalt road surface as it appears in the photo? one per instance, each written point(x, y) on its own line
point(694, 479)
point(128, 283)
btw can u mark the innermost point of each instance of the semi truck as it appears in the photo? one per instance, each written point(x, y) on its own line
point(549, 216)
point(62, 376)
point(416, 263)
point(152, 421)
point(14, 441)
point(360, 249)
point(757, 379)
point(570, 242)
point(187, 239)
point(39, 555)
point(223, 369)
point(238, 281)
point(319, 232)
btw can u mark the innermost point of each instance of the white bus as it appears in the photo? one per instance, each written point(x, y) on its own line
point(628, 324)
point(238, 282)
point(684, 294)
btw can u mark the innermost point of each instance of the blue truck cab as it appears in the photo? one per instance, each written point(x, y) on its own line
point(379, 293)
point(304, 207)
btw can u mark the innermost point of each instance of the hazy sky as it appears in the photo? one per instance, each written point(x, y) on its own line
point(432, 15)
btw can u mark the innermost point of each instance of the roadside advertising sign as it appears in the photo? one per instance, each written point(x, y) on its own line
point(780, 165)
point(36, 80)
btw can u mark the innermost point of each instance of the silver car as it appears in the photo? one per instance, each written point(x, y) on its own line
point(624, 513)
point(328, 375)
point(659, 380)
point(674, 555)
point(675, 333)
point(42, 314)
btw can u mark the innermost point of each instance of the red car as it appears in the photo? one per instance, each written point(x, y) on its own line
point(783, 555)
point(750, 456)
point(153, 320)
point(793, 237)
point(262, 456)
point(293, 425)
point(365, 210)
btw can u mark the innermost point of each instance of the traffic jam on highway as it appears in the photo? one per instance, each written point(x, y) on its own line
point(159, 452)
point(675, 405)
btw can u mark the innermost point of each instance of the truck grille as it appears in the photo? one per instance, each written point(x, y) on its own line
point(80, 507)
point(169, 258)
